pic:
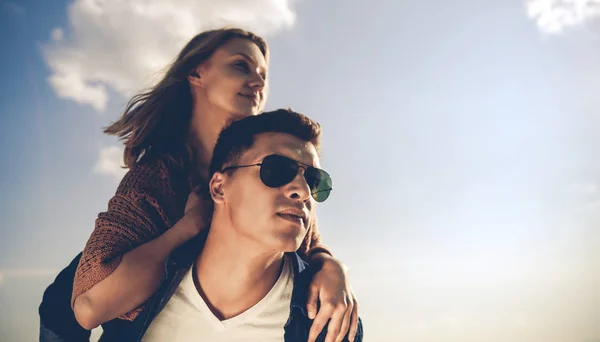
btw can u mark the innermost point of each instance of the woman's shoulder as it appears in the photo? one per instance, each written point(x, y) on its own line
point(154, 175)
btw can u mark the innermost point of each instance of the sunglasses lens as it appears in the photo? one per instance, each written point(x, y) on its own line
point(277, 171)
point(319, 182)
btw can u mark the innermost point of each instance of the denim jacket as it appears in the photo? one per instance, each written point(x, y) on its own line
point(296, 329)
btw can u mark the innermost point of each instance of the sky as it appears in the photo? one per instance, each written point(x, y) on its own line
point(462, 138)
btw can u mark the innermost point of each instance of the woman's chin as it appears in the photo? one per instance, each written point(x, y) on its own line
point(244, 113)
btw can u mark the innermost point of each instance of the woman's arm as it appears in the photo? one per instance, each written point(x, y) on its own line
point(312, 249)
point(124, 259)
point(133, 281)
point(330, 288)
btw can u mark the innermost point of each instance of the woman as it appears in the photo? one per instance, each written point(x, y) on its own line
point(169, 134)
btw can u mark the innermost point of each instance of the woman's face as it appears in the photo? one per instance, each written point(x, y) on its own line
point(233, 80)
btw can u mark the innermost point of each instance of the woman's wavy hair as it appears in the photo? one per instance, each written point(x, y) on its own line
point(159, 118)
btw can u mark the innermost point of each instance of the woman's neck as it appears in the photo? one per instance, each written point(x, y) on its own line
point(205, 127)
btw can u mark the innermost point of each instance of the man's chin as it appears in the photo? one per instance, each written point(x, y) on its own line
point(290, 243)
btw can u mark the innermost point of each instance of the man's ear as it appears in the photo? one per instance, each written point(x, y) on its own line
point(216, 186)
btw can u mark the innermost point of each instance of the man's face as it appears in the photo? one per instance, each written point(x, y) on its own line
point(264, 215)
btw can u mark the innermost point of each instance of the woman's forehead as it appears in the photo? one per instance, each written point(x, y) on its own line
point(242, 47)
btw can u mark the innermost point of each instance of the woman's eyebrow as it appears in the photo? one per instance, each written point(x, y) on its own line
point(251, 59)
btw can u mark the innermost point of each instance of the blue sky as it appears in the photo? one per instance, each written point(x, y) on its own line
point(462, 138)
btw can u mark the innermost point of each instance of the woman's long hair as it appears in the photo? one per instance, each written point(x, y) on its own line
point(159, 118)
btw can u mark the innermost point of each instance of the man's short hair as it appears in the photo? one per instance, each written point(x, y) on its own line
point(238, 136)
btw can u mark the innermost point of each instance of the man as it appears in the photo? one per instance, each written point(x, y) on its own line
point(247, 283)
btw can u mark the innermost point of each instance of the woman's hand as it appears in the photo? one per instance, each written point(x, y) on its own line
point(330, 286)
point(198, 212)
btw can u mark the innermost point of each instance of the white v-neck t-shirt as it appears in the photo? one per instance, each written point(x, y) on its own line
point(186, 316)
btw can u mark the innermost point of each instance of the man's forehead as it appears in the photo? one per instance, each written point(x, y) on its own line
point(283, 144)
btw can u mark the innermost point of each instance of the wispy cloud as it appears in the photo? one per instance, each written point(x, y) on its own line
point(119, 45)
point(25, 273)
point(110, 162)
point(57, 34)
point(554, 16)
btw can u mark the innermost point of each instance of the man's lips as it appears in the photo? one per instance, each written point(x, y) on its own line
point(293, 214)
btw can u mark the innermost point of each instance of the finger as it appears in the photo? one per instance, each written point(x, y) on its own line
point(354, 321)
point(345, 322)
point(334, 327)
point(336, 321)
point(311, 303)
point(192, 199)
point(188, 205)
point(325, 312)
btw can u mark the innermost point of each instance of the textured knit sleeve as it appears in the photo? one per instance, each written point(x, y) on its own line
point(144, 206)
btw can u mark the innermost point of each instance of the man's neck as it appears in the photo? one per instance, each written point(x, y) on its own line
point(233, 273)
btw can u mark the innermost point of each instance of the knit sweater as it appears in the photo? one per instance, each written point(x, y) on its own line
point(149, 200)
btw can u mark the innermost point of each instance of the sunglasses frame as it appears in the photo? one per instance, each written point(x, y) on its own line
point(306, 167)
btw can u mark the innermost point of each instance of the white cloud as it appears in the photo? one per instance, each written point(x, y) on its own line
point(553, 16)
point(57, 34)
point(121, 44)
point(110, 162)
point(71, 84)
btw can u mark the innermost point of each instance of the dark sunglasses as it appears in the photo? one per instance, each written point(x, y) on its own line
point(277, 171)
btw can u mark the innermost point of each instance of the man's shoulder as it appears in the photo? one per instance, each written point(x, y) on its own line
point(303, 274)
point(357, 338)
point(300, 265)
